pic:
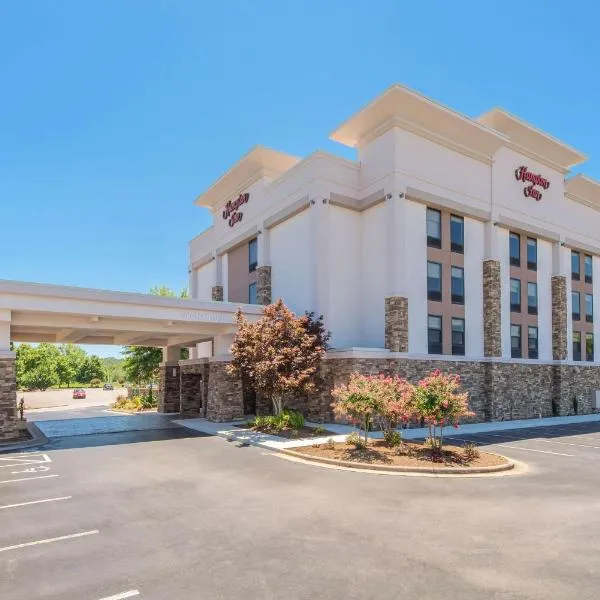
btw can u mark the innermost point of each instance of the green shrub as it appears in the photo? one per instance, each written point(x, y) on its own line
point(392, 438)
point(294, 419)
point(95, 382)
point(354, 439)
point(330, 444)
point(470, 452)
point(135, 403)
point(319, 430)
point(147, 402)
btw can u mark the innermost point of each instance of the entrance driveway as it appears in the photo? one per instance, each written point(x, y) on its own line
point(169, 513)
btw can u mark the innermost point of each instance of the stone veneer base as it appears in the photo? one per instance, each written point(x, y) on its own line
point(8, 400)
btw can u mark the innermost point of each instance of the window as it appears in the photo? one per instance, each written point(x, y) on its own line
point(434, 228)
point(589, 347)
point(434, 334)
point(589, 308)
point(434, 281)
point(575, 308)
point(532, 342)
point(532, 254)
point(252, 294)
point(515, 295)
point(457, 234)
point(458, 285)
point(252, 255)
point(575, 273)
point(576, 345)
point(532, 301)
point(515, 249)
point(458, 336)
point(588, 269)
point(515, 341)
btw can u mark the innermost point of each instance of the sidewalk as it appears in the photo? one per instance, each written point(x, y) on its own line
point(272, 442)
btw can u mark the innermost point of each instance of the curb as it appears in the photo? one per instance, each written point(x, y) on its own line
point(37, 439)
point(426, 470)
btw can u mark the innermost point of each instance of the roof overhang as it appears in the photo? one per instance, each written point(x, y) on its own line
point(531, 141)
point(583, 189)
point(258, 163)
point(401, 107)
point(62, 314)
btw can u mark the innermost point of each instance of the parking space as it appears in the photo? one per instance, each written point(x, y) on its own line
point(168, 513)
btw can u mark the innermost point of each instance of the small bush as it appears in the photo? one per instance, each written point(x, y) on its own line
point(354, 439)
point(330, 444)
point(95, 382)
point(319, 430)
point(295, 420)
point(392, 438)
point(470, 452)
point(136, 403)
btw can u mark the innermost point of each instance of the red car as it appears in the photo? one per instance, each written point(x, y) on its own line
point(78, 394)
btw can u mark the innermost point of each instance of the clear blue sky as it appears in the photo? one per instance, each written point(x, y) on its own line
point(116, 114)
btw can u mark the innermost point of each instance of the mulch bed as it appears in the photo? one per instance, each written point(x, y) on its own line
point(409, 454)
point(291, 434)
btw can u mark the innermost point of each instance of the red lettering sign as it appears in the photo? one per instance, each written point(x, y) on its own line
point(531, 180)
point(231, 210)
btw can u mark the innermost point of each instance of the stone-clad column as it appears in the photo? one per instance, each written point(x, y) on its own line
point(396, 324)
point(217, 293)
point(225, 399)
point(8, 397)
point(559, 317)
point(169, 399)
point(263, 285)
point(492, 308)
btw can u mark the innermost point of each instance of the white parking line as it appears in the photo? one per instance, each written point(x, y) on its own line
point(122, 595)
point(567, 444)
point(27, 478)
point(50, 540)
point(532, 450)
point(36, 502)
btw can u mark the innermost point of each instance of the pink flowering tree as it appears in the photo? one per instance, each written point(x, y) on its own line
point(367, 398)
point(439, 401)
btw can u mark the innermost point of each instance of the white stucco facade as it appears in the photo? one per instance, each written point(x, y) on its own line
point(340, 236)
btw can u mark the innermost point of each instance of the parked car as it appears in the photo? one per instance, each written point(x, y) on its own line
point(78, 394)
point(108, 387)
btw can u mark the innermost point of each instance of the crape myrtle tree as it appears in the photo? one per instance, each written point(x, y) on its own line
point(280, 353)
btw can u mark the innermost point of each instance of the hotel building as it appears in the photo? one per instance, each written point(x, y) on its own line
point(450, 242)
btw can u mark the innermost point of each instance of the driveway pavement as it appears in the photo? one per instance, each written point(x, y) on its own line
point(171, 513)
point(64, 398)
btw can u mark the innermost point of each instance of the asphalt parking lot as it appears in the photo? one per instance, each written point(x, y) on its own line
point(161, 513)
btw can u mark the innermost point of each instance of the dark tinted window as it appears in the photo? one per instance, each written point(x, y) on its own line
point(252, 254)
point(434, 281)
point(434, 228)
point(515, 341)
point(457, 234)
point(588, 268)
point(575, 270)
point(576, 345)
point(532, 254)
point(515, 295)
point(252, 293)
point(589, 346)
point(458, 336)
point(515, 249)
point(458, 285)
point(434, 334)
point(576, 306)
point(532, 301)
point(589, 308)
point(532, 342)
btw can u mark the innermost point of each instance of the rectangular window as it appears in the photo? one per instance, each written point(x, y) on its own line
point(515, 249)
point(252, 255)
point(589, 308)
point(458, 336)
point(434, 334)
point(532, 342)
point(575, 271)
point(576, 345)
point(458, 285)
point(588, 269)
point(515, 341)
point(576, 307)
point(434, 281)
point(252, 293)
point(532, 254)
point(457, 234)
point(589, 347)
point(515, 295)
point(532, 299)
point(434, 228)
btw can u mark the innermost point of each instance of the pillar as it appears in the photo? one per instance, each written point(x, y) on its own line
point(396, 323)
point(492, 308)
point(8, 381)
point(169, 400)
point(217, 289)
point(559, 317)
point(225, 399)
point(217, 293)
point(263, 285)
point(192, 384)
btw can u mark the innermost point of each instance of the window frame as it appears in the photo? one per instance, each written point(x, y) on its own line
point(589, 316)
point(532, 310)
point(588, 278)
point(432, 294)
point(589, 357)
point(532, 265)
point(513, 306)
point(457, 298)
point(576, 355)
point(432, 241)
point(252, 264)
point(576, 275)
point(458, 349)
point(520, 337)
point(457, 247)
point(516, 260)
point(250, 287)
point(575, 316)
point(536, 352)
point(439, 344)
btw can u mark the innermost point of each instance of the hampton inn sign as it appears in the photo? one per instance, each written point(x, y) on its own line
point(232, 209)
point(531, 180)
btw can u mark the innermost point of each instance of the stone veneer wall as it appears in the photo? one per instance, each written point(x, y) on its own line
point(217, 293)
point(225, 399)
point(263, 285)
point(559, 317)
point(8, 399)
point(194, 388)
point(396, 324)
point(492, 308)
point(169, 400)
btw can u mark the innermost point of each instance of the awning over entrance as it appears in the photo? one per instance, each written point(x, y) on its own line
point(32, 312)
